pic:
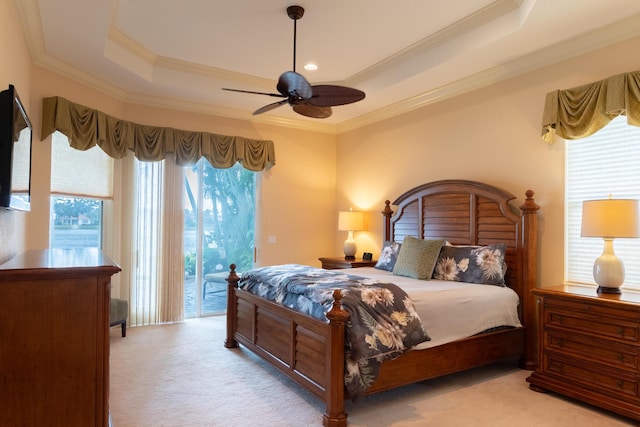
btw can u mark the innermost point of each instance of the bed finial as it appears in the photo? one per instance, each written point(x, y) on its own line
point(387, 211)
point(233, 276)
point(529, 205)
point(337, 313)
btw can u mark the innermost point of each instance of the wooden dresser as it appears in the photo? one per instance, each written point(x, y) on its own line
point(54, 338)
point(589, 347)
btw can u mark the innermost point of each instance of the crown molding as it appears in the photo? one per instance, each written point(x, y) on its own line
point(616, 32)
point(601, 38)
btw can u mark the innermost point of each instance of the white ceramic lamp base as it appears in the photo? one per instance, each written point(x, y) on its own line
point(608, 270)
point(350, 247)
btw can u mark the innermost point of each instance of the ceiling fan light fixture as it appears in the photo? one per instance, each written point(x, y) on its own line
point(310, 66)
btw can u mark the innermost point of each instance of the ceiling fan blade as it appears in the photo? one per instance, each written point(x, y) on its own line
point(294, 84)
point(331, 95)
point(255, 93)
point(269, 107)
point(312, 111)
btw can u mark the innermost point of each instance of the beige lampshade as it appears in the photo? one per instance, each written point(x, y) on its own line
point(610, 218)
point(350, 221)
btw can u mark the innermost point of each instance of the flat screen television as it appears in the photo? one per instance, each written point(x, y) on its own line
point(15, 152)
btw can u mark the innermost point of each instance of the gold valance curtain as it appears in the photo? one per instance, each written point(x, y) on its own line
point(581, 111)
point(86, 127)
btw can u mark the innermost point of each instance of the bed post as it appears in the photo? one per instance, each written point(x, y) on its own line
point(335, 416)
point(387, 213)
point(529, 278)
point(232, 307)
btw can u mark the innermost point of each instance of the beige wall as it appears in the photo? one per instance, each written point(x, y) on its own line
point(490, 135)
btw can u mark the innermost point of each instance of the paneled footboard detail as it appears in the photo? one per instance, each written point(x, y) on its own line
point(298, 345)
point(293, 343)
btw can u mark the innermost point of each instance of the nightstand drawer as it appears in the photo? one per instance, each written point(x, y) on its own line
point(591, 320)
point(594, 307)
point(589, 348)
point(591, 376)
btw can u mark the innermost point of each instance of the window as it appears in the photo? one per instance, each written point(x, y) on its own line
point(80, 181)
point(76, 223)
point(607, 162)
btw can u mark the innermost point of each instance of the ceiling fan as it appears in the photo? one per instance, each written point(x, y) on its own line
point(311, 101)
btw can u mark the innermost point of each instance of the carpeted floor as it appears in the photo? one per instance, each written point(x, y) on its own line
point(181, 375)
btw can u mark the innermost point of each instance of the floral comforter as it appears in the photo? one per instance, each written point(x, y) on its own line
point(382, 325)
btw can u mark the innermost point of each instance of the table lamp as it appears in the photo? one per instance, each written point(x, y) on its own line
point(609, 218)
point(350, 221)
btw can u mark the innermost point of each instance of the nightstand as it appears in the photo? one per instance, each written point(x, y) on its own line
point(335, 263)
point(589, 347)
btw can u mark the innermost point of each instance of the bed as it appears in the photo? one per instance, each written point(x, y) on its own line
point(311, 351)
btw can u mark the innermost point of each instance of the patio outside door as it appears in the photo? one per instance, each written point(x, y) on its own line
point(219, 229)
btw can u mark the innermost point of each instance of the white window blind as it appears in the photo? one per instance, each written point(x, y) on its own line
point(147, 238)
point(80, 173)
point(607, 162)
point(21, 161)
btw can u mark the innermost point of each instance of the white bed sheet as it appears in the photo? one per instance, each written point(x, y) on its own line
point(453, 310)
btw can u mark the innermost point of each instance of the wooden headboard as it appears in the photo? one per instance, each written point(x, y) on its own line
point(472, 213)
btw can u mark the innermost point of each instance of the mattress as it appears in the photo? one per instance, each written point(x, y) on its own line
point(453, 310)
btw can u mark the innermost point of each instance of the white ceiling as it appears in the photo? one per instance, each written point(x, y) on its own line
point(403, 54)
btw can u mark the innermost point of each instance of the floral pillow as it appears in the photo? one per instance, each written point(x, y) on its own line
point(471, 264)
point(388, 256)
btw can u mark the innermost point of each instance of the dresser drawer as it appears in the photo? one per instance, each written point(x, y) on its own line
point(591, 319)
point(593, 377)
point(614, 354)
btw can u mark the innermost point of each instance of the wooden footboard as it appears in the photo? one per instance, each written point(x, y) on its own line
point(311, 351)
point(308, 350)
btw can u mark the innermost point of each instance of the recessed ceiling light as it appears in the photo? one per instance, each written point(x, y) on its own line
point(310, 66)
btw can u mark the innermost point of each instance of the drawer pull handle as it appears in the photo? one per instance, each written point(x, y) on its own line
point(620, 383)
point(560, 342)
point(621, 331)
point(620, 357)
point(587, 307)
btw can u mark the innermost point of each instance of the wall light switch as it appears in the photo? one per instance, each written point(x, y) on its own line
point(271, 239)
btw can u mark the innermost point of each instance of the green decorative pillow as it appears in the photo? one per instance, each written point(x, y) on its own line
point(417, 258)
point(472, 264)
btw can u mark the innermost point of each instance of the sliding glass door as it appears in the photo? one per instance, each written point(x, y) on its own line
point(219, 227)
